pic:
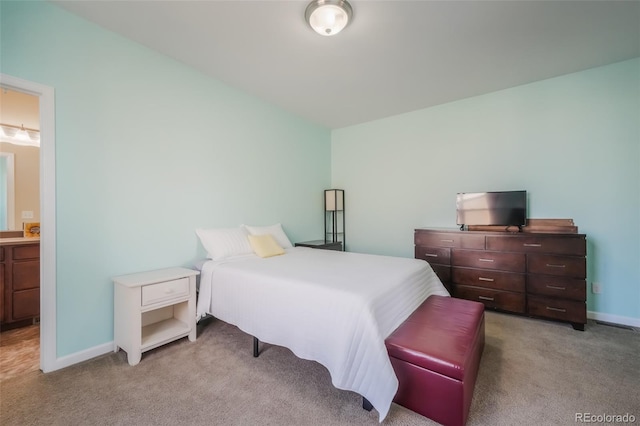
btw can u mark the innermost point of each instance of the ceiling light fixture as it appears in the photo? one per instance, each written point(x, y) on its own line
point(19, 135)
point(328, 17)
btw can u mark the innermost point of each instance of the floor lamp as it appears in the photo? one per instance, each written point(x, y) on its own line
point(334, 216)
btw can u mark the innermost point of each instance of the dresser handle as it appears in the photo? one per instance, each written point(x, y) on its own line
point(431, 255)
point(549, 308)
point(486, 279)
point(169, 290)
point(485, 260)
point(485, 298)
point(555, 287)
point(446, 241)
point(532, 245)
point(551, 265)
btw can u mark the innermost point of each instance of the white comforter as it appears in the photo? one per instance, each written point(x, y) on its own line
point(333, 307)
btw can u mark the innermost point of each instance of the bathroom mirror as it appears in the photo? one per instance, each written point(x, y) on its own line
point(7, 192)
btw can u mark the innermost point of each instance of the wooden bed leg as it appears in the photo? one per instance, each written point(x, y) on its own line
point(366, 404)
point(255, 347)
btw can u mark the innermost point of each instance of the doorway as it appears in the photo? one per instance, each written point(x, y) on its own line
point(47, 201)
point(19, 210)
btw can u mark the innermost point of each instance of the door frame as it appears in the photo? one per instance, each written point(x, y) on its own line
point(46, 95)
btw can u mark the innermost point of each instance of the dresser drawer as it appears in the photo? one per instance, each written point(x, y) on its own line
point(561, 309)
point(576, 246)
point(498, 280)
point(434, 255)
point(555, 286)
point(445, 239)
point(443, 272)
point(512, 262)
point(165, 291)
point(557, 265)
point(504, 300)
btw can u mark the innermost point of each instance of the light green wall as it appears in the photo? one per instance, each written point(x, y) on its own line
point(572, 142)
point(148, 150)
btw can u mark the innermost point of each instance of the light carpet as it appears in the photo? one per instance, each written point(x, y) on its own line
point(532, 372)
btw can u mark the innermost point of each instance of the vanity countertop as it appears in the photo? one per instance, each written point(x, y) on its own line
point(18, 240)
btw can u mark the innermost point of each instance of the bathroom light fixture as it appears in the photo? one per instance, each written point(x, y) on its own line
point(19, 135)
point(328, 17)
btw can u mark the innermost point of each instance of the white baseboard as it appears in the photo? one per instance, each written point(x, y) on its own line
point(81, 356)
point(614, 319)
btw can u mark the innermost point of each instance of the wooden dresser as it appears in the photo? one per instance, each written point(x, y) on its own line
point(19, 281)
point(536, 274)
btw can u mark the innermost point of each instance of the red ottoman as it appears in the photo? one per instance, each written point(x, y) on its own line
point(436, 354)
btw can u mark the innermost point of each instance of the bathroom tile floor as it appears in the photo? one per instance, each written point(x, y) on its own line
point(19, 351)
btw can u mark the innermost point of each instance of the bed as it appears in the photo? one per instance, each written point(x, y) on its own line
point(332, 307)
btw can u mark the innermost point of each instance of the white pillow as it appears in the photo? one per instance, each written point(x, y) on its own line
point(275, 230)
point(221, 243)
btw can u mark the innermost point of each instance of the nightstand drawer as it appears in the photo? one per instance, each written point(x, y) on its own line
point(164, 291)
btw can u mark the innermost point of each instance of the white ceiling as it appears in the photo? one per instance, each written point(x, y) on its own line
point(396, 56)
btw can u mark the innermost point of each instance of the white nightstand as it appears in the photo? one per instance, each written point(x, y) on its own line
point(153, 308)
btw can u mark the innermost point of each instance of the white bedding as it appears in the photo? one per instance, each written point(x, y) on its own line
point(328, 306)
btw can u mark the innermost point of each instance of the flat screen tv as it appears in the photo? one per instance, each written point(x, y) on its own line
point(506, 208)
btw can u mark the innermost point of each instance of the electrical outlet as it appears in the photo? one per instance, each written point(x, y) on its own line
point(596, 288)
point(27, 214)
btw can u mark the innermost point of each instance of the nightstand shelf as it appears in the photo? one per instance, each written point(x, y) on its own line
point(159, 333)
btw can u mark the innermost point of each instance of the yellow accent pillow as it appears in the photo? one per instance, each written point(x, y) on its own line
point(265, 245)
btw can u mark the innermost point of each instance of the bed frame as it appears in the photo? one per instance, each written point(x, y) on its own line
point(256, 352)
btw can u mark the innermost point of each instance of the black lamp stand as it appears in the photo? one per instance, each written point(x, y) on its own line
point(334, 230)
